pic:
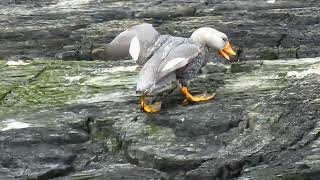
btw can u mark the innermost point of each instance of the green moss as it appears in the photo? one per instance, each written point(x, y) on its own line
point(240, 67)
point(295, 177)
point(269, 55)
point(152, 130)
point(98, 135)
point(42, 44)
point(52, 85)
point(116, 144)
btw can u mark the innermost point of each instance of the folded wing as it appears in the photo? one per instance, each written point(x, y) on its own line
point(176, 53)
point(178, 58)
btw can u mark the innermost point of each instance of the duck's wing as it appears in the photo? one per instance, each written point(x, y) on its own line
point(174, 54)
point(149, 72)
point(178, 58)
point(143, 40)
point(119, 47)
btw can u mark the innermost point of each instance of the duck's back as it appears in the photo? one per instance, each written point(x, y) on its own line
point(166, 56)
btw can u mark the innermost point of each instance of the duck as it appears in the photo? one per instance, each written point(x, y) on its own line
point(168, 62)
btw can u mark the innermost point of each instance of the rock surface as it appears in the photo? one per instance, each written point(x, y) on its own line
point(81, 120)
point(69, 29)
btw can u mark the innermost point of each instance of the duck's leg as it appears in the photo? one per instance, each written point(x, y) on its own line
point(190, 98)
point(152, 108)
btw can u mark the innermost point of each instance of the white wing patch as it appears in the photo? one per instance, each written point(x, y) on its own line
point(173, 63)
point(134, 49)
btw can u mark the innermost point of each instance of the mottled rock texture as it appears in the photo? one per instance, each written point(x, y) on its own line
point(80, 119)
point(70, 29)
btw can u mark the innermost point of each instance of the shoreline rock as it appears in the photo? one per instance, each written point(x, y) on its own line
point(264, 29)
point(82, 119)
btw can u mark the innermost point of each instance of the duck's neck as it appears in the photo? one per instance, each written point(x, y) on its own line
point(199, 36)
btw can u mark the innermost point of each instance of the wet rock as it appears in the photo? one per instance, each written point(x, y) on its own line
point(5, 173)
point(166, 13)
point(75, 55)
point(82, 119)
point(41, 161)
point(42, 138)
point(271, 55)
point(76, 120)
point(51, 172)
point(121, 171)
point(46, 28)
point(244, 67)
point(68, 55)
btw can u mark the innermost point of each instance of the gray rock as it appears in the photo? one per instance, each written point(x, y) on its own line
point(119, 171)
point(260, 29)
point(75, 120)
point(166, 13)
point(80, 120)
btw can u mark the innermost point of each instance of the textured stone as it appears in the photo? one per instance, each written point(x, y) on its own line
point(73, 120)
point(82, 120)
point(258, 29)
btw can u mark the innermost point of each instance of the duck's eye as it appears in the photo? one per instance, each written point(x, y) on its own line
point(225, 39)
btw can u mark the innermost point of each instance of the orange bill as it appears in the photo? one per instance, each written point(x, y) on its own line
point(227, 51)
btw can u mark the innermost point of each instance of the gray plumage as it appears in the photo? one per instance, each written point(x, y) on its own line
point(118, 48)
point(175, 60)
point(167, 60)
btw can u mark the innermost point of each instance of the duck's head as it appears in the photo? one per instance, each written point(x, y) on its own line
point(213, 39)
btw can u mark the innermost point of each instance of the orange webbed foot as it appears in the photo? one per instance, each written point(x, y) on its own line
point(197, 98)
point(152, 108)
